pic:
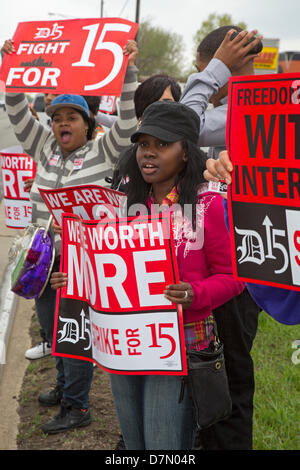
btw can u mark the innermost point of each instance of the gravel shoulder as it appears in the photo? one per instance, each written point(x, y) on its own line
point(102, 434)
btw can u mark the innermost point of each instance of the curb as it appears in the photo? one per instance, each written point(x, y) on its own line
point(8, 306)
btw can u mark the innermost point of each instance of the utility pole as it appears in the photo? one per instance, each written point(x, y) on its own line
point(137, 15)
point(137, 11)
point(101, 8)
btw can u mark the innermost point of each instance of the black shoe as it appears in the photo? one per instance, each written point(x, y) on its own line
point(120, 444)
point(52, 397)
point(68, 418)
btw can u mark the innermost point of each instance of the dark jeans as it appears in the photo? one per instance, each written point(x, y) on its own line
point(237, 325)
point(74, 376)
point(149, 412)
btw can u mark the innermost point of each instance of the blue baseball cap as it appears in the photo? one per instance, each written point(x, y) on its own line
point(72, 101)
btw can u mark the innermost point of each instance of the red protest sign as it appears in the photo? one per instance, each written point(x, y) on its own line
point(89, 201)
point(108, 104)
point(81, 56)
point(15, 169)
point(263, 141)
point(113, 311)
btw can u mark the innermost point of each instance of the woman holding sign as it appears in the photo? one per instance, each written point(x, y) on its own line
point(166, 167)
point(67, 156)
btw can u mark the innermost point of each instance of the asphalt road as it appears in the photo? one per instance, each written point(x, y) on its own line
point(7, 300)
point(15, 315)
point(7, 137)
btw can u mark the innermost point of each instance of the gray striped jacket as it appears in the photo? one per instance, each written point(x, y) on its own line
point(98, 156)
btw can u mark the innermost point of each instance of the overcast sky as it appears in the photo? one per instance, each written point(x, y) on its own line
point(273, 18)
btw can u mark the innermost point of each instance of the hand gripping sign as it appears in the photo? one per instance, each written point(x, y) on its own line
point(81, 56)
point(263, 138)
point(113, 311)
point(15, 169)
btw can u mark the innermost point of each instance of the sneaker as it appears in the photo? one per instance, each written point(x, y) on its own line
point(37, 352)
point(52, 397)
point(67, 418)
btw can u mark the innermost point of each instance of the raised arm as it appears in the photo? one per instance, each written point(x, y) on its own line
point(106, 120)
point(31, 134)
point(197, 92)
point(231, 55)
point(118, 137)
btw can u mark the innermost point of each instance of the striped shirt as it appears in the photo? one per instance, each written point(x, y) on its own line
point(54, 171)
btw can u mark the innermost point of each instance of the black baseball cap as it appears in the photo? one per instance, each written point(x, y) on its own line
point(169, 121)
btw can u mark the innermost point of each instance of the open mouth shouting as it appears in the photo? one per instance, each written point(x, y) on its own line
point(65, 137)
point(69, 129)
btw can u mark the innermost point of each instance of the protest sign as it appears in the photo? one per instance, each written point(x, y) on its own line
point(108, 104)
point(267, 60)
point(113, 311)
point(15, 169)
point(263, 139)
point(89, 201)
point(80, 56)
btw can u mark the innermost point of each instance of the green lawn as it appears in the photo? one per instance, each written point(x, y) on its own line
point(277, 386)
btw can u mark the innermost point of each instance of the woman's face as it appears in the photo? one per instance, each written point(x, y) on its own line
point(69, 128)
point(48, 98)
point(159, 161)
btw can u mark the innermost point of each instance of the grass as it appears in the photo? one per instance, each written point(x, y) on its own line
point(27, 432)
point(277, 389)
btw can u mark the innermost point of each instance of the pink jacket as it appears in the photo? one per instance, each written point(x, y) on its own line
point(208, 269)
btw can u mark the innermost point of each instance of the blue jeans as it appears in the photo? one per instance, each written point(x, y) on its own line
point(74, 376)
point(149, 414)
